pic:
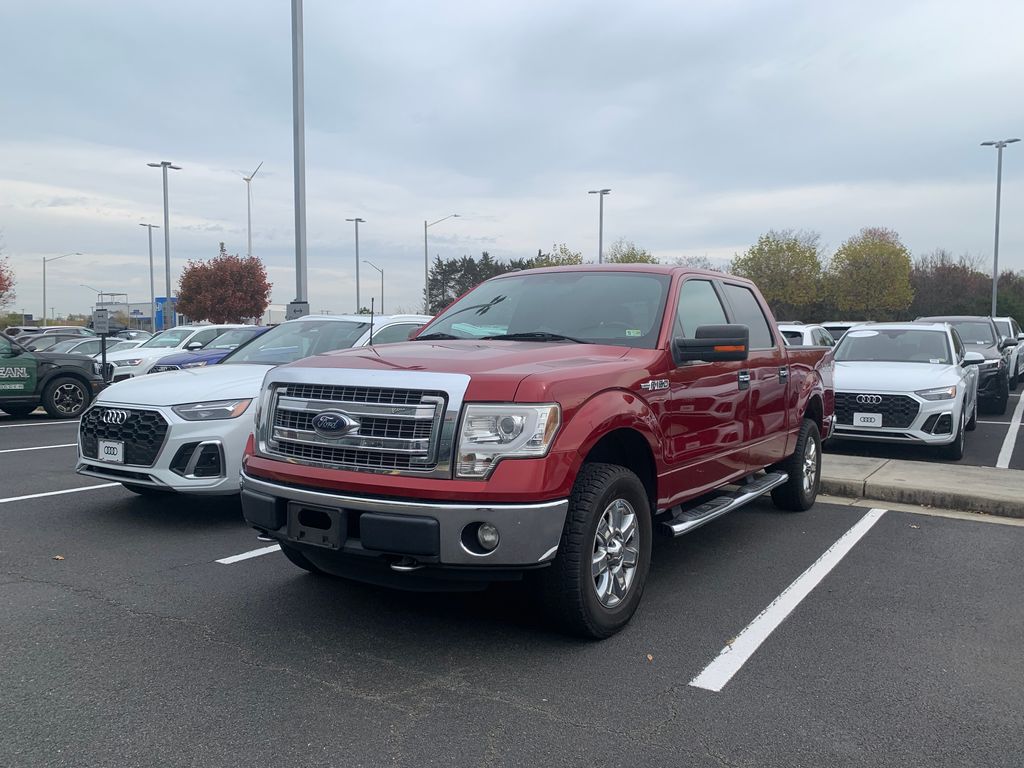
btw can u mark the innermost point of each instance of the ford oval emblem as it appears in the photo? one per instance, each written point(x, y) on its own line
point(334, 424)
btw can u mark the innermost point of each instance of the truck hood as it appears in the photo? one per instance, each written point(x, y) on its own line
point(496, 368)
point(870, 376)
point(192, 385)
point(65, 358)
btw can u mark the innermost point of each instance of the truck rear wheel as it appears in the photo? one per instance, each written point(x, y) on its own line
point(595, 583)
point(804, 469)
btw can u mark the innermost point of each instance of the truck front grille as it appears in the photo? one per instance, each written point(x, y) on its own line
point(898, 411)
point(390, 429)
point(143, 433)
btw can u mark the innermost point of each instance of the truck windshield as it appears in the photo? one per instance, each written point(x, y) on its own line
point(295, 340)
point(894, 346)
point(595, 307)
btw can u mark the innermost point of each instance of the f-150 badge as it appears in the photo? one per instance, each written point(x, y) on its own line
point(654, 385)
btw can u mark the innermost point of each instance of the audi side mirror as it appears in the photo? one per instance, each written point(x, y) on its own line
point(973, 358)
point(713, 343)
point(192, 346)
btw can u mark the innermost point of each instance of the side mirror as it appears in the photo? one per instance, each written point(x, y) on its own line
point(1008, 342)
point(712, 343)
point(1020, 337)
point(973, 358)
point(414, 331)
point(192, 346)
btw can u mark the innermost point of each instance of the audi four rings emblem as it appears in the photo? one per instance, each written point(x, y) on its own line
point(114, 416)
point(869, 399)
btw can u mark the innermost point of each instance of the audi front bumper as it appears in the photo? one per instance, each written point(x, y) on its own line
point(936, 423)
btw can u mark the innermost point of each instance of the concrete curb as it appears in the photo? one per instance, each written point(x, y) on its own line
point(948, 486)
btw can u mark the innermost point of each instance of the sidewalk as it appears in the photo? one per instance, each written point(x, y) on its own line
point(949, 486)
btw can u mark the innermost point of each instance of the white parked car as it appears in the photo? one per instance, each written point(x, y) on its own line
point(138, 361)
point(92, 346)
point(186, 430)
point(1009, 329)
point(800, 335)
point(906, 383)
point(120, 345)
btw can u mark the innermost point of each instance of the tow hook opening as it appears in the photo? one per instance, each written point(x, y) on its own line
point(406, 564)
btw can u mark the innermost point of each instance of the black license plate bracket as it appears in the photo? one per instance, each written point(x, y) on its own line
point(317, 526)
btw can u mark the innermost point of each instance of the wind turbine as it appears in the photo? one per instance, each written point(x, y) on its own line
point(248, 204)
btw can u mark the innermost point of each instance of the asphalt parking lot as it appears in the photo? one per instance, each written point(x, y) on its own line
point(990, 445)
point(903, 647)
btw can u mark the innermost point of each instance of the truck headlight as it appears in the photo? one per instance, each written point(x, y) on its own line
point(97, 369)
point(939, 393)
point(491, 433)
point(214, 409)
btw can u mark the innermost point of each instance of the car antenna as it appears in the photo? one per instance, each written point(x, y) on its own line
point(371, 321)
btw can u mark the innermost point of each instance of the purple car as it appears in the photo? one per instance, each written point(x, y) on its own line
point(213, 352)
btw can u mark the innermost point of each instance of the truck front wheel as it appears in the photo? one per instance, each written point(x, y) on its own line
point(798, 493)
point(595, 583)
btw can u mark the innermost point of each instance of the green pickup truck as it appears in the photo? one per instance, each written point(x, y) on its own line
point(63, 384)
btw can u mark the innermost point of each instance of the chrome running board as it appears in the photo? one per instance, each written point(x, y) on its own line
point(685, 520)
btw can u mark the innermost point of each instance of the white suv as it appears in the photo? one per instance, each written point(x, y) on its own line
point(136, 362)
point(1009, 329)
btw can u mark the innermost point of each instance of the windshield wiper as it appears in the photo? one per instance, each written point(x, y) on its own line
point(441, 336)
point(535, 336)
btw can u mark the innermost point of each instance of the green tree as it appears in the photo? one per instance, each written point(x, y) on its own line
point(560, 255)
point(7, 295)
point(449, 279)
point(225, 289)
point(699, 262)
point(869, 276)
point(946, 286)
point(786, 266)
point(627, 252)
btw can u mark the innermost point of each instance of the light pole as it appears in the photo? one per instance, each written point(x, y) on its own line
point(381, 284)
point(300, 306)
point(45, 260)
point(999, 145)
point(152, 290)
point(357, 221)
point(164, 165)
point(426, 261)
point(600, 221)
point(248, 206)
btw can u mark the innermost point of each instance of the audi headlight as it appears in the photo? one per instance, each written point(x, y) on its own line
point(939, 393)
point(214, 409)
point(491, 433)
point(196, 364)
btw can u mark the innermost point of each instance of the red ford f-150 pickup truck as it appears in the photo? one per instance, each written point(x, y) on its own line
point(544, 425)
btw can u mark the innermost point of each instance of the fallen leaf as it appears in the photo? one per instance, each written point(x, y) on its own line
point(58, 557)
point(649, 657)
point(915, 526)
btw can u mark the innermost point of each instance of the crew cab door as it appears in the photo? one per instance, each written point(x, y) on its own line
point(705, 413)
point(767, 410)
point(18, 370)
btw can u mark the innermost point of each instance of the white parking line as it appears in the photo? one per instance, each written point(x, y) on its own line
point(39, 424)
point(38, 448)
point(734, 655)
point(1003, 462)
point(1004, 423)
point(247, 555)
point(57, 493)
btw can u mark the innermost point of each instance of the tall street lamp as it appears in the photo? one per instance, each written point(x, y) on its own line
point(600, 221)
point(426, 261)
point(357, 221)
point(152, 290)
point(381, 284)
point(45, 260)
point(999, 145)
point(164, 165)
point(300, 306)
point(248, 206)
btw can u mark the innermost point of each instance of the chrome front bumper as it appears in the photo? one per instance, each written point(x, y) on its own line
point(529, 533)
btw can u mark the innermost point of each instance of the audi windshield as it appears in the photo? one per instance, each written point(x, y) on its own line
point(891, 345)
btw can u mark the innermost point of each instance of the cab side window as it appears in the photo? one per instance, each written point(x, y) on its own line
point(698, 305)
point(748, 312)
point(6, 348)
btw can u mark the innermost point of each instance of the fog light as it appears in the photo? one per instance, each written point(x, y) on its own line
point(487, 535)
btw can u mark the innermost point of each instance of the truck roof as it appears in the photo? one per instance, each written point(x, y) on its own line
point(659, 269)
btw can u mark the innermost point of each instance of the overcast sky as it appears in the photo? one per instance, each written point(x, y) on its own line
point(711, 122)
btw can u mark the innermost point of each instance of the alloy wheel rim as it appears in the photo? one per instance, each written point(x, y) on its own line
point(68, 398)
point(616, 553)
point(810, 466)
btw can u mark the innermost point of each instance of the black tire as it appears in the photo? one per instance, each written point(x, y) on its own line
point(795, 495)
point(18, 411)
point(1002, 399)
point(65, 398)
point(144, 490)
point(299, 559)
point(972, 423)
point(955, 450)
point(574, 598)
